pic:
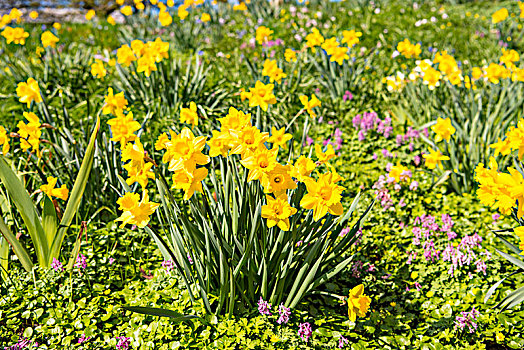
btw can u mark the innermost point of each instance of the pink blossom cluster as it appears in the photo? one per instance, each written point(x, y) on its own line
point(23, 343)
point(336, 142)
point(271, 43)
point(81, 261)
point(369, 121)
point(409, 136)
point(467, 319)
point(169, 265)
point(385, 184)
point(427, 234)
point(124, 343)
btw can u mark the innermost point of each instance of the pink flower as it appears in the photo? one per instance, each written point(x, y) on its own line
point(305, 331)
point(57, 265)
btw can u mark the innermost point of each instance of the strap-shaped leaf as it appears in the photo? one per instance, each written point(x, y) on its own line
point(27, 210)
point(152, 311)
point(19, 250)
point(513, 248)
point(494, 287)
point(513, 299)
point(76, 193)
point(4, 256)
point(512, 259)
point(49, 220)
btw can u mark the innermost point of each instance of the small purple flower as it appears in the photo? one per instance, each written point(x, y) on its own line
point(305, 331)
point(168, 265)
point(467, 319)
point(21, 344)
point(284, 313)
point(57, 265)
point(348, 96)
point(309, 141)
point(264, 307)
point(83, 339)
point(344, 231)
point(342, 342)
point(123, 343)
point(81, 262)
point(111, 261)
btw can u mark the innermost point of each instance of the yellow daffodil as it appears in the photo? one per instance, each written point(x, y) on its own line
point(263, 34)
point(500, 15)
point(261, 95)
point(189, 115)
point(51, 190)
point(123, 128)
point(323, 196)
point(279, 138)
point(48, 39)
point(136, 211)
point(309, 104)
point(434, 158)
point(114, 104)
point(443, 129)
point(324, 157)
point(28, 92)
point(277, 212)
point(98, 70)
point(358, 303)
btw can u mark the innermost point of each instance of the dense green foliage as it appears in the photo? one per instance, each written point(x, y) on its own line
point(415, 301)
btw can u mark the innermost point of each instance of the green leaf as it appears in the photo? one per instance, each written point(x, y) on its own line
point(19, 250)
point(49, 220)
point(27, 210)
point(76, 193)
point(494, 287)
point(512, 259)
point(4, 256)
point(177, 317)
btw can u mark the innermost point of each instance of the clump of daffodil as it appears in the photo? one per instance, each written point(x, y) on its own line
point(408, 50)
point(15, 35)
point(145, 54)
point(499, 15)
